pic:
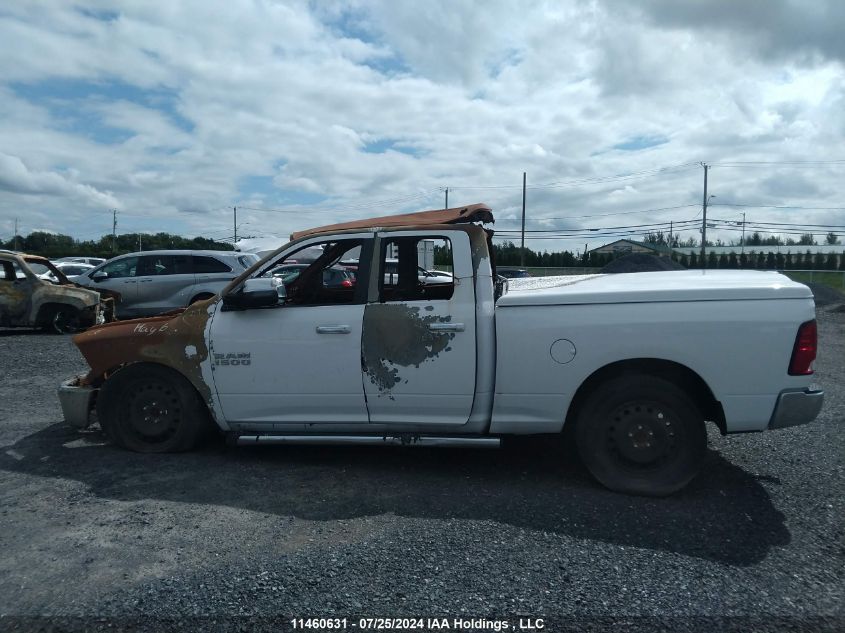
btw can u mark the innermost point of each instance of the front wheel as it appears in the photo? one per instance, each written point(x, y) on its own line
point(151, 409)
point(65, 320)
point(641, 434)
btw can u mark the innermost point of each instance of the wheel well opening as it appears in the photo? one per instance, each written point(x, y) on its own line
point(202, 296)
point(680, 375)
point(48, 310)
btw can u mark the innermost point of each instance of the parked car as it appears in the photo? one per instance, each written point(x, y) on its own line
point(334, 277)
point(71, 270)
point(392, 272)
point(634, 365)
point(28, 300)
point(92, 261)
point(152, 282)
point(512, 273)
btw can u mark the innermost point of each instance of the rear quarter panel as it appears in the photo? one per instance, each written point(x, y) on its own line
point(741, 349)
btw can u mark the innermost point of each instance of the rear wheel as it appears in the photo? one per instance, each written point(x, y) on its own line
point(641, 434)
point(151, 409)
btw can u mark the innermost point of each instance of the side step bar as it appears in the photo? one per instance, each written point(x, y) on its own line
point(373, 440)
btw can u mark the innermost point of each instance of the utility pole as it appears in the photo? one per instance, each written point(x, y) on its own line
point(114, 231)
point(704, 217)
point(16, 235)
point(235, 212)
point(742, 239)
point(522, 243)
point(670, 233)
point(447, 198)
point(139, 241)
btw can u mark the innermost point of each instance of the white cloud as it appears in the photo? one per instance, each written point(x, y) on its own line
point(176, 112)
point(15, 177)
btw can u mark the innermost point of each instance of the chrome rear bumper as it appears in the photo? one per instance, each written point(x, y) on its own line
point(797, 407)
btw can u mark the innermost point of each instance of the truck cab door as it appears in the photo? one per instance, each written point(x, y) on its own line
point(297, 363)
point(418, 348)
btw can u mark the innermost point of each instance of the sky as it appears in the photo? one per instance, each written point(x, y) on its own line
point(307, 113)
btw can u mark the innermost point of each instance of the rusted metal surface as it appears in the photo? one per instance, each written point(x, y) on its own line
point(456, 215)
point(176, 341)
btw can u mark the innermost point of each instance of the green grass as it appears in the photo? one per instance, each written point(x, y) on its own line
point(833, 279)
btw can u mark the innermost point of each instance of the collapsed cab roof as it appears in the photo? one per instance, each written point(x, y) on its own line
point(456, 215)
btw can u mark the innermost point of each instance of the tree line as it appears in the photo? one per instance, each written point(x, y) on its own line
point(54, 245)
point(658, 238)
point(509, 254)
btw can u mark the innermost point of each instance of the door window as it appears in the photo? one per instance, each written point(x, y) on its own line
point(313, 275)
point(126, 267)
point(416, 269)
point(8, 272)
point(154, 265)
point(206, 265)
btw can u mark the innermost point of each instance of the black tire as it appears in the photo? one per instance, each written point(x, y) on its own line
point(641, 435)
point(151, 409)
point(64, 320)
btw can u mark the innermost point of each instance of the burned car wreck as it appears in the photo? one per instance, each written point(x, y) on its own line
point(26, 300)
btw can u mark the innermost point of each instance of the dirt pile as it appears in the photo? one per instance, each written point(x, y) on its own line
point(641, 263)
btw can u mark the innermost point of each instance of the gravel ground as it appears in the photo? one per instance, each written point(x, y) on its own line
point(245, 538)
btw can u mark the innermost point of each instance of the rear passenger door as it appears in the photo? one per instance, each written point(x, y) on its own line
point(164, 283)
point(15, 294)
point(212, 272)
point(418, 340)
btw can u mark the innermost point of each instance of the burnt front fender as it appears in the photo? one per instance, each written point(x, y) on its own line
point(175, 341)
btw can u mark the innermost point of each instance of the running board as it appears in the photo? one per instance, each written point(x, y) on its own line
point(373, 440)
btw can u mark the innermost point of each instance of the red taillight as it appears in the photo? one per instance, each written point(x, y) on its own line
point(804, 350)
point(347, 283)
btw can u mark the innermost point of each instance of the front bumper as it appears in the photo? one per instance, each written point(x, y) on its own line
point(797, 407)
point(76, 402)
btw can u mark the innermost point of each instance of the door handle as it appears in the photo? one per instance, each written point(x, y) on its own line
point(446, 327)
point(144, 281)
point(333, 329)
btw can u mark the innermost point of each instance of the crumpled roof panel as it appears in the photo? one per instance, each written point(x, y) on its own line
point(456, 215)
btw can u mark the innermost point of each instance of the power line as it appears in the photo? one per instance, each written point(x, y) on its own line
point(589, 181)
point(785, 224)
point(652, 225)
point(779, 162)
point(773, 206)
point(603, 215)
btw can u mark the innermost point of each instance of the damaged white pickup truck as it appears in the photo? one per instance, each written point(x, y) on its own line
point(632, 364)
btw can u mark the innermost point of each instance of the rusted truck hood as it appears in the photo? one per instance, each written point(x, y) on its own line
point(175, 339)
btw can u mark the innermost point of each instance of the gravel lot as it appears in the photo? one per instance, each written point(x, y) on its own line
point(94, 537)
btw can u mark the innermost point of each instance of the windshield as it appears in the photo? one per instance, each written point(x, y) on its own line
point(42, 266)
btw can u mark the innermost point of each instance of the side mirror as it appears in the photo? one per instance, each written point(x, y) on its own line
point(100, 275)
point(259, 292)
